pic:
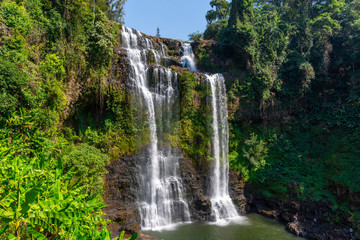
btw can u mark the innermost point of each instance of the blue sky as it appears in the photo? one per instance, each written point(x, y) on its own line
point(175, 18)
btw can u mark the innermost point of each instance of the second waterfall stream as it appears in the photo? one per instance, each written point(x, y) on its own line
point(222, 206)
point(221, 203)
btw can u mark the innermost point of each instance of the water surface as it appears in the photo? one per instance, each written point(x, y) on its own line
point(252, 227)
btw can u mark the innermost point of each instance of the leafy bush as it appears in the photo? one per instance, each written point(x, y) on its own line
point(13, 88)
point(88, 164)
point(195, 36)
point(52, 67)
point(101, 41)
point(16, 17)
point(255, 152)
point(249, 157)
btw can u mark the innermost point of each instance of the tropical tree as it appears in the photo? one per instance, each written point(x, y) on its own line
point(216, 18)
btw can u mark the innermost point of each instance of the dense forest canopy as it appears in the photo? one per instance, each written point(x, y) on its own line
point(293, 70)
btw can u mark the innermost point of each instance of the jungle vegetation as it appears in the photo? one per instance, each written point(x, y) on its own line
point(51, 173)
point(293, 95)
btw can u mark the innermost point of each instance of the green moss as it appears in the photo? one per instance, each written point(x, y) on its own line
point(151, 58)
point(194, 135)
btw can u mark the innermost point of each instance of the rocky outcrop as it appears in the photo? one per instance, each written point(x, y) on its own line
point(237, 187)
point(324, 228)
point(296, 228)
point(195, 185)
point(172, 48)
point(120, 184)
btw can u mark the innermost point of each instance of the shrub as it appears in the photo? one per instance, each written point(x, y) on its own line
point(13, 85)
point(16, 17)
point(195, 36)
point(52, 66)
point(87, 163)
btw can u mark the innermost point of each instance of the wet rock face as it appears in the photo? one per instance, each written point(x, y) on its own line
point(195, 186)
point(237, 191)
point(120, 184)
point(119, 68)
point(173, 49)
point(306, 226)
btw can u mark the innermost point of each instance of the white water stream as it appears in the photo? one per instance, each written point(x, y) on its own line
point(188, 58)
point(161, 200)
point(222, 206)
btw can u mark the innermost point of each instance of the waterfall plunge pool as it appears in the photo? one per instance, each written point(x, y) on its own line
point(251, 227)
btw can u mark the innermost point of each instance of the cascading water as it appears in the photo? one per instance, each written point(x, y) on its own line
point(222, 205)
point(161, 200)
point(188, 58)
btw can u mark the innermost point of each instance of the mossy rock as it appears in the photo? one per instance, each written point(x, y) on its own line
point(151, 58)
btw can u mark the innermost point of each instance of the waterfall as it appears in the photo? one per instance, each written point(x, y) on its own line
point(188, 58)
point(161, 200)
point(221, 203)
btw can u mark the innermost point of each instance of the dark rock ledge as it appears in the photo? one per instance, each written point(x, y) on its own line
point(285, 210)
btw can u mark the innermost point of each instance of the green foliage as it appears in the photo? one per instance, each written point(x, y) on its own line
point(52, 67)
point(203, 54)
point(102, 41)
point(248, 154)
point(213, 30)
point(187, 83)
point(53, 54)
point(116, 10)
point(220, 11)
point(16, 17)
point(216, 18)
point(116, 133)
point(13, 85)
point(195, 36)
point(193, 134)
point(255, 152)
point(87, 163)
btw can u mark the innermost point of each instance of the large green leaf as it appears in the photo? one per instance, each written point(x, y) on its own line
point(12, 237)
point(36, 234)
point(30, 197)
point(42, 223)
point(59, 168)
point(133, 237)
point(4, 229)
point(57, 190)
